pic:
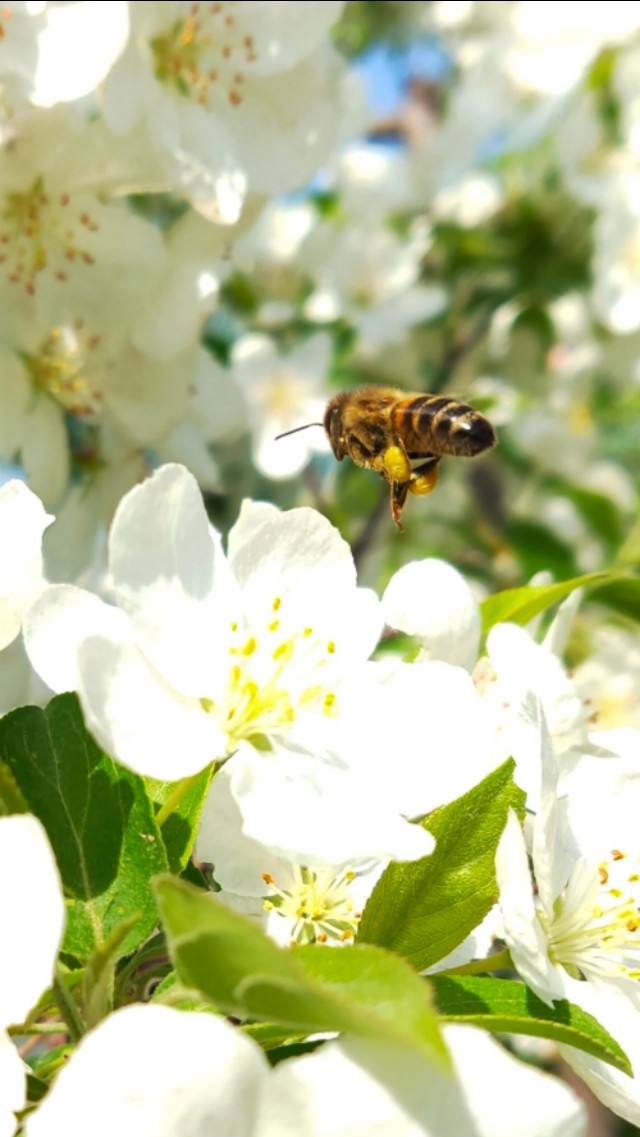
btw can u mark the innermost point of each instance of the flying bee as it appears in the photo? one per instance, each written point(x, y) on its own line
point(403, 436)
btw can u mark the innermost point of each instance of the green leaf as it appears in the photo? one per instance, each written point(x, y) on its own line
point(99, 821)
point(538, 549)
point(11, 800)
point(180, 808)
point(271, 1036)
point(97, 981)
point(598, 510)
point(520, 605)
point(505, 1005)
point(424, 909)
point(629, 553)
point(138, 976)
point(622, 594)
point(362, 990)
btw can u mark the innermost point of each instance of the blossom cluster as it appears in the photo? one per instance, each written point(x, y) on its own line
point(302, 828)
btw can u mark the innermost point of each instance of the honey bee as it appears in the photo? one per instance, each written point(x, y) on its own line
point(403, 436)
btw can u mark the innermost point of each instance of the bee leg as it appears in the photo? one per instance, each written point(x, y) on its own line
point(357, 451)
point(396, 465)
point(425, 477)
point(399, 491)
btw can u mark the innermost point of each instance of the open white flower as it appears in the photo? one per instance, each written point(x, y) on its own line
point(233, 95)
point(22, 523)
point(206, 658)
point(370, 276)
point(32, 909)
point(293, 903)
point(59, 237)
point(577, 936)
point(283, 392)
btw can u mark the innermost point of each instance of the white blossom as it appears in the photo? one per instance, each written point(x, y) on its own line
point(293, 903)
point(232, 95)
point(282, 392)
point(577, 936)
point(205, 659)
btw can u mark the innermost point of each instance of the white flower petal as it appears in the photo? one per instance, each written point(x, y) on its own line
point(167, 1072)
point(315, 815)
point(431, 600)
point(523, 666)
point(482, 1064)
point(32, 914)
point(45, 450)
point(391, 1093)
point(239, 860)
point(171, 578)
point(65, 72)
point(138, 718)
point(619, 1016)
point(293, 554)
point(422, 733)
point(522, 930)
point(58, 622)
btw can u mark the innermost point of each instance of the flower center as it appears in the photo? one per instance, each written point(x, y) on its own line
point(595, 929)
point(271, 680)
point(60, 369)
point(38, 232)
point(204, 53)
point(318, 904)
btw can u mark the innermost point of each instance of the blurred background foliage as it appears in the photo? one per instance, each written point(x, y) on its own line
point(518, 337)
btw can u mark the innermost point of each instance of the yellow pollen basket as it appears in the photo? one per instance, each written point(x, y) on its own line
point(425, 483)
point(396, 464)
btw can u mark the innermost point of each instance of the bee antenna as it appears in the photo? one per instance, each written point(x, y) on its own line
point(296, 429)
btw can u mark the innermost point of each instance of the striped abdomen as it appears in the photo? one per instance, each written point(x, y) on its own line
point(438, 424)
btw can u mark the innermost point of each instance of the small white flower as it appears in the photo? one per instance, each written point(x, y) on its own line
point(369, 275)
point(283, 392)
point(294, 903)
point(578, 936)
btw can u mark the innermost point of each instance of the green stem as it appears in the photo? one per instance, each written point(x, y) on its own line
point(498, 962)
point(68, 1009)
point(40, 1029)
point(175, 797)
